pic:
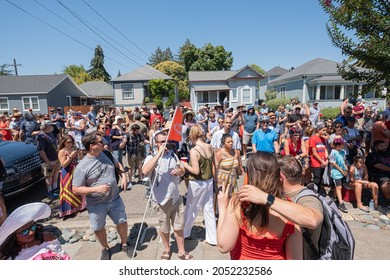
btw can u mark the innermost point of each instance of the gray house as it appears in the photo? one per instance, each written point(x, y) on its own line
point(131, 88)
point(318, 80)
point(99, 92)
point(211, 87)
point(39, 92)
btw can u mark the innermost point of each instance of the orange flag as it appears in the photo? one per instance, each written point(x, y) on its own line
point(175, 132)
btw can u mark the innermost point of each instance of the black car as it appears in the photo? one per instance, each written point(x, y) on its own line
point(23, 165)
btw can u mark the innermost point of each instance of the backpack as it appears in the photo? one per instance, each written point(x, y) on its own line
point(111, 158)
point(336, 241)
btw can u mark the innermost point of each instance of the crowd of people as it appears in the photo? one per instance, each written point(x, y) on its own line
point(290, 147)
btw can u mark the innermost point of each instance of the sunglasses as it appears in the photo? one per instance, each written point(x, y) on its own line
point(27, 231)
point(160, 142)
point(338, 126)
point(348, 112)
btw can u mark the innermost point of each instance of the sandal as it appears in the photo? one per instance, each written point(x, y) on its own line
point(185, 257)
point(166, 255)
point(364, 209)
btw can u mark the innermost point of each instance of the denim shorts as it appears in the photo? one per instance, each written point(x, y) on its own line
point(98, 213)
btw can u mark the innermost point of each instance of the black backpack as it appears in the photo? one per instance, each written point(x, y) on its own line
point(336, 240)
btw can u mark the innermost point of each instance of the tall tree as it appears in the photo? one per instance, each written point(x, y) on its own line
point(97, 70)
point(160, 56)
point(207, 58)
point(78, 73)
point(360, 28)
point(187, 54)
point(4, 71)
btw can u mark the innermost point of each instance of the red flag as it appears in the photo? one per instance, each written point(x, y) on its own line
point(175, 132)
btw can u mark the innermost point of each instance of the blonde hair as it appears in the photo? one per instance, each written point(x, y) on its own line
point(196, 132)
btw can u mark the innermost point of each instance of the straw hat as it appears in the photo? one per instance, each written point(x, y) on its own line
point(166, 128)
point(23, 215)
point(190, 112)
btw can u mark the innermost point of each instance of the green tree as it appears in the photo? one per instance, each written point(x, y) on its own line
point(4, 71)
point(97, 70)
point(270, 94)
point(179, 75)
point(187, 55)
point(360, 28)
point(160, 56)
point(160, 89)
point(258, 69)
point(78, 73)
point(210, 58)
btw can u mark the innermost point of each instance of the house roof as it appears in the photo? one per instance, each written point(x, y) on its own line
point(97, 89)
point(276, 71)
point(315, 67)
point(211, 87)
point(144, 73)
point(224, 75)
point(211, 75)
point(30, 84)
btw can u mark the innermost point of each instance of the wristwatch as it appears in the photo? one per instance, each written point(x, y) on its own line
point(270, 200)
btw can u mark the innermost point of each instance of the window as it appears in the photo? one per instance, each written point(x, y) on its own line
point(283, 92)
point(246, 95)
point(312, 93)
point(330, 92)
point(30, 102)
point(127, 91)
point(234, 95)
point(4, 103)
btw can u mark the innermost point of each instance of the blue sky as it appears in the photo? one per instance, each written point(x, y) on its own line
point(282, 33)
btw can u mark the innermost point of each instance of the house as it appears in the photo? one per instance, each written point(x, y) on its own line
point(131, 88)
point(39, 92)
point(268, 77)
point(211, 87)
point(315, 80)
point(99, 92)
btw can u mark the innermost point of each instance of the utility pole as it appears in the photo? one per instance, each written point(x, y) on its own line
point(15, 66)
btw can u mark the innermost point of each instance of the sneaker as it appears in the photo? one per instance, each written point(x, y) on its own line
point(128, 250)
point(106, 255)
point(129, 186)
point(243, 158)
point(52, 195)
point(342, 208)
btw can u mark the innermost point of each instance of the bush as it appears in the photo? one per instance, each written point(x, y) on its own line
point(275, 103)
point(330, 113)
point(270, 94)
point(147, 99)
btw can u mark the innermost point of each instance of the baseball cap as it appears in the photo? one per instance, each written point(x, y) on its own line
point(46, 123)
point(320, 126)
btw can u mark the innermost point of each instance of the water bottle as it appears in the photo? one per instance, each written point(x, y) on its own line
point(371, 205)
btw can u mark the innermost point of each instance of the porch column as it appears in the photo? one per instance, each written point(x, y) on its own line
point(342, 92)
point(318, 92)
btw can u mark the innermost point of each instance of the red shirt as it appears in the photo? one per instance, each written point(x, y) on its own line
point(357, 109)
point(318, 143)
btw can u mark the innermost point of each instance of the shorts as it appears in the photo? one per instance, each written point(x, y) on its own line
point(134, 160)
point(98, 213)
point(170, 213)
point(246, 138)
point(79, 145)
point(340, 182)
point(48, 170)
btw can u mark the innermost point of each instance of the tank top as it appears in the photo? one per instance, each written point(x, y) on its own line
point(205, 166)
point(251, 246)
point(227, 171)
point(358, 173)
point(294, 151)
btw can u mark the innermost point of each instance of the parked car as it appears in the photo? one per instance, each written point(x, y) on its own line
point(23, 165)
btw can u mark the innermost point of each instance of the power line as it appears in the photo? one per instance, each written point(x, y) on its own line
point(84, 33)
point(88, 25)
point(58, 30)
point(116, 29)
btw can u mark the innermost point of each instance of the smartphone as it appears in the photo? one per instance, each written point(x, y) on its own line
point(170, 146)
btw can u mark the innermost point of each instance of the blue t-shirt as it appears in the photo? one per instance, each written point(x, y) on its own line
point(250, 122)
point(264, 141)
point(337, 157)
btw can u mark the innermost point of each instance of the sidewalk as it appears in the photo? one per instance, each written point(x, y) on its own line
point(371, 231)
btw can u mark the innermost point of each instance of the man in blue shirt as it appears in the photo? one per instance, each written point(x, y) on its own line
point(250, 122)
point(265, 139)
